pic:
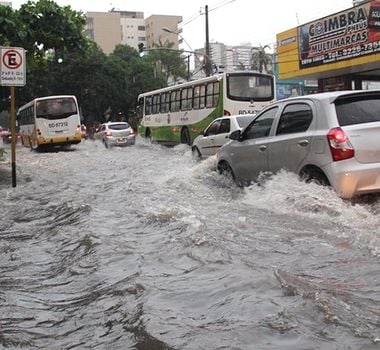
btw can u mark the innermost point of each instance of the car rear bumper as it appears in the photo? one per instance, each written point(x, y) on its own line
point(350, 178)
point(122, 141)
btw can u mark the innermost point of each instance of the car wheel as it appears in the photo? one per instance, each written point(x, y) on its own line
point(197, 156)
point(225, 169)
point(185, 136)
point(315, 176)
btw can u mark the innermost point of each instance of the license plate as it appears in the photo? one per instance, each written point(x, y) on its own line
point(120, 140)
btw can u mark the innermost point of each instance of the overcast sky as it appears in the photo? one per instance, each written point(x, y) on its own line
point(231, 22)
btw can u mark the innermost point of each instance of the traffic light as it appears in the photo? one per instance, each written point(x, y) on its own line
point(141, 49)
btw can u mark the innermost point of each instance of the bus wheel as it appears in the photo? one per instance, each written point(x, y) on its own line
point(148, 135)
point(33, 144)
point(185, 136)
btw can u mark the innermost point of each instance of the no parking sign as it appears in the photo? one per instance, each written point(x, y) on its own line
point(12, 66)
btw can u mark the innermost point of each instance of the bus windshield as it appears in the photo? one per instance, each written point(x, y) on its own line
point(55, 108)
point(250, 87)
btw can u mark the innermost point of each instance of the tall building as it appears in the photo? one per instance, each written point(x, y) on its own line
point(133, 29)
point(105, 29)
point(109, 29)
point(226, 58)
point(155, 33)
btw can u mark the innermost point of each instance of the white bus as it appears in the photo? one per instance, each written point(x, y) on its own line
point(177, 114)
point(49, 122)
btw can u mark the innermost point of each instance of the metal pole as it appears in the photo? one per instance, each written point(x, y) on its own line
point(207, 48)
point(188, 67)
point(13, 135)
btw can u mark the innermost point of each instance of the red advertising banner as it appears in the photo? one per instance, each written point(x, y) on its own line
point(348, 34)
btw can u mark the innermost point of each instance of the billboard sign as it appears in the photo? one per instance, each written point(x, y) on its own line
point(349, 34)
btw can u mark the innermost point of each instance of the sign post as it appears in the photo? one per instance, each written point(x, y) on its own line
point(12, 73)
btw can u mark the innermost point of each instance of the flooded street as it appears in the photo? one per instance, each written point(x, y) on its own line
point(142, 248)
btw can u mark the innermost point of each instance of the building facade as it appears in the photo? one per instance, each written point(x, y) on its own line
point(109, 29)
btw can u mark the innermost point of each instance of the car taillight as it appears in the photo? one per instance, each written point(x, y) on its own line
point(340, 145)
point(132, 132)
point(108, 133)
point(225, 112)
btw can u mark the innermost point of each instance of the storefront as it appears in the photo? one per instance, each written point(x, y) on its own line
point(340, 51)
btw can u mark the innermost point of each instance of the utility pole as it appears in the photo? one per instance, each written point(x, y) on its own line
point(207, 46)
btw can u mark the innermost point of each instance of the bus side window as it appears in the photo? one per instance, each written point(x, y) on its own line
point(184, 106)
point(156, 104)
point(190, 98)
point(148, 105)
point(164, 108)
point(216, 94)
point(140, 107)
point(167, 101)
point(175, 99)
point(202, 96)
point(196, 95)
point(212, 92)
point(187, 99)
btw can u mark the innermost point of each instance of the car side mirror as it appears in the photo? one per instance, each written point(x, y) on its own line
point(235, 135)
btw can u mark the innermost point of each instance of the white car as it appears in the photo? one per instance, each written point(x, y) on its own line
point(115, 134)
point(217, 133)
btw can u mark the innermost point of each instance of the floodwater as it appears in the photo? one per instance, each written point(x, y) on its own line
point(142, 248)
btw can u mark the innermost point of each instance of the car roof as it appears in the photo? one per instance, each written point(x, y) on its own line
point(330, 96)
point(236, 116)
point(112, 123)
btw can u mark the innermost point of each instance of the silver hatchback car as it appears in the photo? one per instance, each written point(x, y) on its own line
point(332, 138)
point(115, 134)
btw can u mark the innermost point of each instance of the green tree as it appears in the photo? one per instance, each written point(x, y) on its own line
point(100, 82)
point(12, 29)
point(51, 27)
point(168, 61)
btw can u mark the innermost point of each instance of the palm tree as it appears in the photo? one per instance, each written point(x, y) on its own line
point(260, 60)
point(240, 66)
point(168, 60)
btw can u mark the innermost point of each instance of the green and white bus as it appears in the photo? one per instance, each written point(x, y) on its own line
point(178, 113)
point(49, 122)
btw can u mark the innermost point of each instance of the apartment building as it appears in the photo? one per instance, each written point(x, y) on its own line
point(105, 29)
point(109, 29)
point(226, 57)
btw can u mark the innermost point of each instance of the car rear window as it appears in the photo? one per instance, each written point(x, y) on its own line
point(120, 126)
point(358, 110)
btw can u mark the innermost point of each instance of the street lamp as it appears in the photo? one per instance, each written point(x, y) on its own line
point(166, 29)
point(204, 59)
